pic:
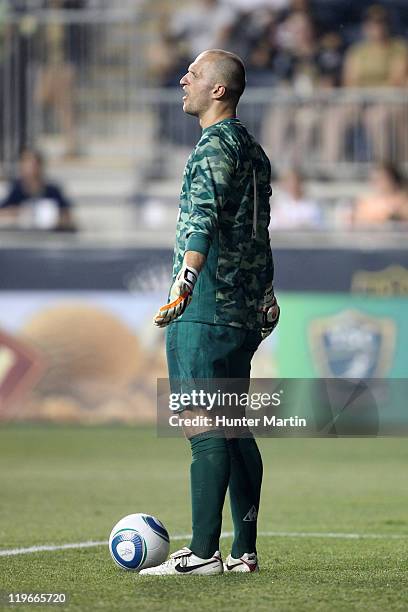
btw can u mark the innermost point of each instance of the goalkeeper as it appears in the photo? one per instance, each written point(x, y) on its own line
point(221, 305)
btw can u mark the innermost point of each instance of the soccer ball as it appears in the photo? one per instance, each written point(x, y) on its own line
point(138, 541)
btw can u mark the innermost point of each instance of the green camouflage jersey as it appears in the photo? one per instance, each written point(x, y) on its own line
point(224, 213)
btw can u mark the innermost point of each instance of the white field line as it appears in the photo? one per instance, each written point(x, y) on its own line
point(266, 534)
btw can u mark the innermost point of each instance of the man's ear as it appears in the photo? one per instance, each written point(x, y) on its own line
point(218, 91)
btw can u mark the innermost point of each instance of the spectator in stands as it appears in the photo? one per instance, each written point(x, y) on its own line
point(56, 86)
point(287, 35)
point(292, 127)
point(329, 60)
point(34, 203)
point(203, 25)
point(166, 56)
point(303, 51)
point(378, 61)
point(291, 208)
point(387, 199)
point(261, 67)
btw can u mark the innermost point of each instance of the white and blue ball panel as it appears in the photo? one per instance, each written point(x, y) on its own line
point(128, 549)
point(157, 527)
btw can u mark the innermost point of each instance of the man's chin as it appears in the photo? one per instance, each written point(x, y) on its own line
point(189, 111)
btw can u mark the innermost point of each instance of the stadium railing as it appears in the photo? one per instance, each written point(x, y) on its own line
point(332, 133)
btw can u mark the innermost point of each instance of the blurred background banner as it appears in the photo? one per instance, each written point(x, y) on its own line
point(93, 142)
point(85, 318)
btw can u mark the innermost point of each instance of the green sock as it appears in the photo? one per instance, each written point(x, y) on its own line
point(210, 470)
point(245, 491)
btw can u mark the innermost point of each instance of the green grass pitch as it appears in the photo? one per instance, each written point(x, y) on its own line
point(71, 484)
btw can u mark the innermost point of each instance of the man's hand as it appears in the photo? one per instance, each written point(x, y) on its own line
point(270, 312)
point(180, 296)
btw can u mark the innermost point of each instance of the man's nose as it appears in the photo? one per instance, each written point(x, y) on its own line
point(183, 81)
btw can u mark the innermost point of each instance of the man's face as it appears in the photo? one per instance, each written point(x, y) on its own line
point(376, 31)
point(197, 86)
point(30, 167)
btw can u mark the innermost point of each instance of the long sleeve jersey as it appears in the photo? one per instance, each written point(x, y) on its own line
point(224, 214)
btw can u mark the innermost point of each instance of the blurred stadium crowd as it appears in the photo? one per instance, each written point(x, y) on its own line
point(97, 81)
point(301, 43)
point(303, 46)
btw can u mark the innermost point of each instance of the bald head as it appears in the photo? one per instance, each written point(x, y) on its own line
point(213, 86)
point(227, 69)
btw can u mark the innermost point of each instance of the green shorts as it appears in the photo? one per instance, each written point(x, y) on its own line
point(204, 351)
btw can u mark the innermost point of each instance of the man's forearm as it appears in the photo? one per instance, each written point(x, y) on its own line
point(9, 216)
point(194, 259)
point(9, 212)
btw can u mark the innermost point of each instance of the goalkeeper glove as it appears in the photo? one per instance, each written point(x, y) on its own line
point(270, 312)
point(180, 296)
